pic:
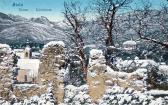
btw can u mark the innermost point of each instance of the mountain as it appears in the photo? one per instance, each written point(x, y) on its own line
point(17, 29)
point(41, 30)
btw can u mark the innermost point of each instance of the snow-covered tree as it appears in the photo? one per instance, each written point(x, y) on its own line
point(77, 95)
point(75, 19)
point(107, 10)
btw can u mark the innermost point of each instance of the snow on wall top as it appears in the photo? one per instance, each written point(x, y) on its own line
point(53, 43)
point(95, 53)
point(5, 48)
point(32, 65)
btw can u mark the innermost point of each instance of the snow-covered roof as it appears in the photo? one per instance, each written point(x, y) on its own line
point(27, 48)
point(20, 54)
point(32, 65)
point(18, 50)
point(129, 42)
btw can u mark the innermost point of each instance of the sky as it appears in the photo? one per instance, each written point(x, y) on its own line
point(52, 9)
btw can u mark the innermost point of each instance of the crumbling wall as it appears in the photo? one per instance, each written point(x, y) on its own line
point(101, 77)
point(52, 61)
point(6, 71)
point(22, 91)
point(96, 74)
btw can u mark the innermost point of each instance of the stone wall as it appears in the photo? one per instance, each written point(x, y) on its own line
point(52, 61)
point(5, 83)
point(101, 77)
point(25, 92)
point(96, 74)
point(6, 75)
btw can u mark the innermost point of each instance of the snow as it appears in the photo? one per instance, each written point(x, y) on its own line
point(76, 95)
point(36, 55)
point(123, 75)
point(158, 101)
point(5, 48)
point(116, 73)
point(108, 82)
point(19, 52)
point(32, 65)
point(112, 47)
point(53, 43)
point(138, 63)
point(163, 69)
point(127, 96)
point(129, 45)
point(130, 42)
point(43, 99)
point(92, 73)
point(26, 85)
point(157, 92)
point(63, 74)
point(90, 46)
point(141, 72)
point(27, 48)
point(94, 53)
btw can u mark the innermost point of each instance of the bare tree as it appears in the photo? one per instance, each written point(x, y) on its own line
point(107, 10)
point(75, 20)
point(146, 18)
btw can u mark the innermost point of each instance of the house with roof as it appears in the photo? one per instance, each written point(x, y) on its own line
point(28, 67)
point(129, 45)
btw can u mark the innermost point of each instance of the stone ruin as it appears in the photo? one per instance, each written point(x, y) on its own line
point(96, 70)
point(52, 61)
point(6, 65)
point(53, 70)
point(100, 76)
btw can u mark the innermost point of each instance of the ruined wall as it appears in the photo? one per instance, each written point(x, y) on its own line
point(96, 76)
point(25, 92)
point(52, 61)
point(6, 72)
point(5, 83)
point(101, 77)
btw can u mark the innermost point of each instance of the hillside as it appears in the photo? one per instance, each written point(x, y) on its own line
point(18, 29)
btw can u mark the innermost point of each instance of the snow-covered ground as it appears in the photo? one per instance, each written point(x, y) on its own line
point(114, 94)
point(44, 99)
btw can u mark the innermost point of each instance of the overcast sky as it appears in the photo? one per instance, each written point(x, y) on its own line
point(54, 7)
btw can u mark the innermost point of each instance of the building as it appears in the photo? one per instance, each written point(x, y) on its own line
point(28, 52)
point(19, 53)
point(129, 45)
point(28, 67)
